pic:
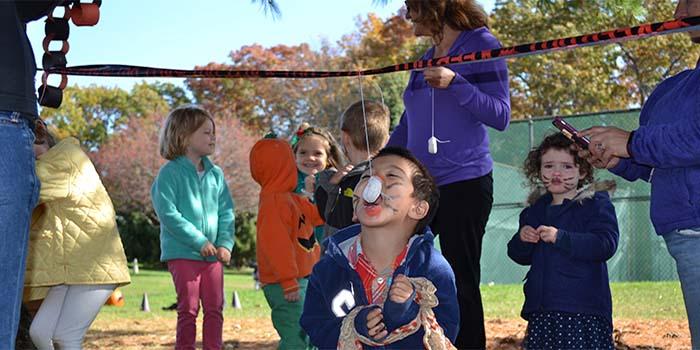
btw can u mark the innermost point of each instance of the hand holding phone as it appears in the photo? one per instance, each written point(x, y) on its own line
point(569, 131)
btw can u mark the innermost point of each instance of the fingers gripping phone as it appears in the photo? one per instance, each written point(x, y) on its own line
point(569, 131)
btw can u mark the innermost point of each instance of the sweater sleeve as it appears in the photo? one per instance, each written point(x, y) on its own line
point(399, 137)
point(485, 93)
point(164, 196)
point(519, 251)
point(275, 243)
point(227, 217)
point(667, 145)
point(599, 241)
point(632, 171)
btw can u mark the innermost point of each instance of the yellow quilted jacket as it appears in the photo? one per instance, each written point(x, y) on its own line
point(73, 236)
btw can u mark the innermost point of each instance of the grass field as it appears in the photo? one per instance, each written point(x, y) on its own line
point(647, 315)
point(638, 300)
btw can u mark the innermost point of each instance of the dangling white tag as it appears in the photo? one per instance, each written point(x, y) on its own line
point(432, 145)
point(373, 189)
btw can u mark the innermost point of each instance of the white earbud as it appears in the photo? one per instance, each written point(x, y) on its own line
point(373, 189)
point(432, 145)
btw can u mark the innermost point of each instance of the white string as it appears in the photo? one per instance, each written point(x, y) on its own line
point(364, 118)
point(432, 122)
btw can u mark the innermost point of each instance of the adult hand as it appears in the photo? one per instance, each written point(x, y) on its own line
point(340, 174)
point(529, 234)
point(438, 77)
point(207, 249)
point(223, 255)
point(548, 233)
point(401, 289)
point(595, 162)
point(292, 297)
point(606, 143)
point(375, 326)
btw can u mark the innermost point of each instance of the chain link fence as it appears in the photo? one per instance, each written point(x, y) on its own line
point(641, 254)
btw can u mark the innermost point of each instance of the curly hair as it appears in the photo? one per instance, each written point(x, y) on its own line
point(335, 157)
point(458, 14)
point(533, 162)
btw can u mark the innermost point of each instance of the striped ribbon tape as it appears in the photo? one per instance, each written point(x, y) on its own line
point(600, 38)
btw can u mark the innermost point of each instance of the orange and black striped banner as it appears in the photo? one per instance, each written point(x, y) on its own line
point(600, 38)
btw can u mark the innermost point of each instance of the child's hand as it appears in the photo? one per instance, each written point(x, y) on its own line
point(375, 326)
point(340, 174)
point(548, 233)
point(310, 183)
point(208, 249)
point(223, 255)
point(401, 289)
point(529, 234)
point(292, 297)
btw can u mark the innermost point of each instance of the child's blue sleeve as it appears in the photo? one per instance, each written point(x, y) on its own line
point(597, 241)
point(317, 318)
point(631, 171)
point(164, 197)
point(226, 225)
point(519, 251)
point(447, 311)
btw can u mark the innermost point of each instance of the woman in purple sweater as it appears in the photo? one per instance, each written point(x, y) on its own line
point(448, 110)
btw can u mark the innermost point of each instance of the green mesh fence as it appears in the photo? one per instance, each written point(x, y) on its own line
point(641, 254)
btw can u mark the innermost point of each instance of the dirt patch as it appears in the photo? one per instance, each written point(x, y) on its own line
point(256, 334)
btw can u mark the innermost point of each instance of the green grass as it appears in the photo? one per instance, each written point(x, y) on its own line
point(631, 300)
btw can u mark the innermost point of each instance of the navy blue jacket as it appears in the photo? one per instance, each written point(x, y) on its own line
point(569, 275)
point(335, 288)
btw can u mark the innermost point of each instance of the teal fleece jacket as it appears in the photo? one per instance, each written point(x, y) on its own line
point(192, 211)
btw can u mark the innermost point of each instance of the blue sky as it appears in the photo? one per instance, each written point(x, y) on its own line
point(182, 34)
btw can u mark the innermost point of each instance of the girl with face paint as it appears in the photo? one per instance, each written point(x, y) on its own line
point(566, 235)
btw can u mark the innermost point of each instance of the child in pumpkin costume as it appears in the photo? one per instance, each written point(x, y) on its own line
point(286, 246)
point(76, 258)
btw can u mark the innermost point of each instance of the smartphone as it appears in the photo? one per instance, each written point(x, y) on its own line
point(569, 131)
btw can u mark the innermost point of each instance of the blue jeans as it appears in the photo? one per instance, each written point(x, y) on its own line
point(19, 190)
point(684, 246)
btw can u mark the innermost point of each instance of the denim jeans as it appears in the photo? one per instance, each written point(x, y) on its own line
point(19, 190)
point(684, 246)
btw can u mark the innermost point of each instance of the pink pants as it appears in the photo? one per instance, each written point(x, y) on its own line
point(195, 280)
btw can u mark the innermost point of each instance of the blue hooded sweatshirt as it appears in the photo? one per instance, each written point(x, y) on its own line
point(335, 288)
point(477, 98)
point(664, 152)
point(569, 275)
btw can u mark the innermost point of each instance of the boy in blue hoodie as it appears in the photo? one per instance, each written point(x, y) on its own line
point(381, 283)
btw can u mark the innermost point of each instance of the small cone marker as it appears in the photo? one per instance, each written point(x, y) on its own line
point(236, 301)
point(136, 266)
point(144, 303)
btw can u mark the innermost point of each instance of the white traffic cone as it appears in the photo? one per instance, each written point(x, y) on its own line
point(136, 266)
point(144, 303)
point(236, 301)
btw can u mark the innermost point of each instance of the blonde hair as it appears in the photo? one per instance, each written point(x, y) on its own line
point(181, 123)
point(353, 123)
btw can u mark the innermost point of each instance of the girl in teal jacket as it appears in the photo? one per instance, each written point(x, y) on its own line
point(195, 209)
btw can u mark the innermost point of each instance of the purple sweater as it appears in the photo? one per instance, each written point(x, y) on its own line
point(477, 97)
point(664, 151)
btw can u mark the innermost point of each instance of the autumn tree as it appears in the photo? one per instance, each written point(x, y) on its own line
point(92, 113)
point(586, 79)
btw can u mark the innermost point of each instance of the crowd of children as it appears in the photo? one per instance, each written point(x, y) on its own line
point(380, 282)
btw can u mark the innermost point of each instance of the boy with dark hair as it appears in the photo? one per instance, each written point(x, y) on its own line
point(381, 283)
point(335, 188)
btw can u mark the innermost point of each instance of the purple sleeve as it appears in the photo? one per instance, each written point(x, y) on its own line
point(399, 137)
